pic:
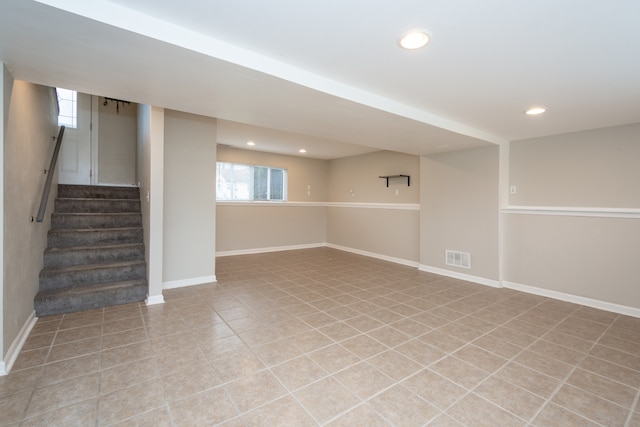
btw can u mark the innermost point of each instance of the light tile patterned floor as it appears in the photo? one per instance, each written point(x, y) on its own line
point(323, 337)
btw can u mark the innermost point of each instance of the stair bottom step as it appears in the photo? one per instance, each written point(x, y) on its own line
point(69, 300)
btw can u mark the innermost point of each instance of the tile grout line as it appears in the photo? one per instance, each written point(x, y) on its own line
point(634, 406)
point(512, 359)
point(564, 382)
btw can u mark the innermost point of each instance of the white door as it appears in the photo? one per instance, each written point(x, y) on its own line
point(74, 164)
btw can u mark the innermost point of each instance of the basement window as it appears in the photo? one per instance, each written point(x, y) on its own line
point(240, 182)
point(68, 108)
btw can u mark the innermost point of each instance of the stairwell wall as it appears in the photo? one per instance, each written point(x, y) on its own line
point(29, 124)
point(116, 143)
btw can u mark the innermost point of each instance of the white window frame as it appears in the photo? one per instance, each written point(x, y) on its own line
point(67, 103)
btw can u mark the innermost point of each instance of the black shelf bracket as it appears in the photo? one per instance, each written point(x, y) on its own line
point(397, 176)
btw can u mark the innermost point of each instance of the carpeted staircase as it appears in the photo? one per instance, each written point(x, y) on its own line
point(95, 253)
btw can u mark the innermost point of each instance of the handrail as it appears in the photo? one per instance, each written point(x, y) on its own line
point(47, 185)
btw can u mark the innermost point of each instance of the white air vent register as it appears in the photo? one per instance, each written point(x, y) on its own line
point(457, 259)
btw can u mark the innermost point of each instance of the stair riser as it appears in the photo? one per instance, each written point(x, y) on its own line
point(97, 205)
point(95, 254)
point(62, 258)
point(60, 280)
point(65, 239)
point(89, 301)
point(88, 191)
point(71, 220)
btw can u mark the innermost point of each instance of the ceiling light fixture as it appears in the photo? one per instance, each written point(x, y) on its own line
point(302, 150)
point(414, 40)
point(534, 111)
point(251, 143)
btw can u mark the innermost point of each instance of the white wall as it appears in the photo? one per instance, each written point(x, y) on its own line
point(27, 149)
point(117, 129)
point(189, 199)
point(150, 175)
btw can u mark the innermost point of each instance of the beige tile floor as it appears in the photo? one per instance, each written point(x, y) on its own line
point(322, 337)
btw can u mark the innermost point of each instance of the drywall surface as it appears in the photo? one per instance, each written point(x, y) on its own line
point(189, 197)
point(117, 143)
point(357, 179)
point(597, 168)
point(459, 210)
point(150, 176)
point(588, 257)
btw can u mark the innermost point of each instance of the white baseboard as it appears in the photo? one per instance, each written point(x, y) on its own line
point(589, 302)
point(461, 276)
point(271, 249)
point(374, 255)
point(153, 300)
point(188, 282)
point(318, 245)
point(18, 343)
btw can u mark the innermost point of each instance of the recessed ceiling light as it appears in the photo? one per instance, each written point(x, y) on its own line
point(302, 150)
point(414, 40)
point(534, 111)
point(251, 143)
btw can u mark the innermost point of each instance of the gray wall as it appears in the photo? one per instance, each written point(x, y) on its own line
point(598, 168)
point(301, 171)
point(189, 199)
point(29, 124)
point(375, 220)
point(117, 143)
point(247, 227)
point(590, 247)
point(361, 174)
point(367, 216)
point(459, 210)
point(250, 227)
point(150, 177)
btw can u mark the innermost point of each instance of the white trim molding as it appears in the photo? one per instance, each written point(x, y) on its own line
point(573, 211)
point(576, 299)
point(270, 249)
point(189, 282)
point(374, 255)
point(17, 344)
point(258, 203)
point(461, 276)
point(392, 206)
point(153, 300)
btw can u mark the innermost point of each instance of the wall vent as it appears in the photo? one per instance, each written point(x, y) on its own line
point(457, 259)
